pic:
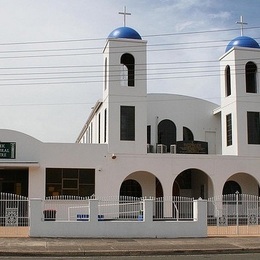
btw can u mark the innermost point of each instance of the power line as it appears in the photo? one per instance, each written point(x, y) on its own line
point(95, 80)
point(100, 65)
point(118, 47)
point(144, 36)
point(99, 53)
point(170, 98)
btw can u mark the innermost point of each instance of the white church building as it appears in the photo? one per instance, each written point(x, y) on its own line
point(140, 144)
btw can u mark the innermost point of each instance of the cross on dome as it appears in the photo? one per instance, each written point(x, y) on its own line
point(125, 14)
point(242, 23)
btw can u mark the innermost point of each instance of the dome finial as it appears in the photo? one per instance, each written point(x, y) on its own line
point(242, 23)
point(125, 14)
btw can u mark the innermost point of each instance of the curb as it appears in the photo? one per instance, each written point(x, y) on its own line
point(132, 252)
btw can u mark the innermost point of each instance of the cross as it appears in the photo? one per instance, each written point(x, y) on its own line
point(125, 14)
point(241, 22)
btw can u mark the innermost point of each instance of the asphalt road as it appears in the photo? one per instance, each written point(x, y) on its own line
point(173, 257)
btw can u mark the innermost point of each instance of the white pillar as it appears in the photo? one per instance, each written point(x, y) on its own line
point(148, 210)
point(93, 210)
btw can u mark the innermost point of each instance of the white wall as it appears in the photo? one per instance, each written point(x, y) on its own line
point(196, 114)
point(119, 229)
point(110, 173)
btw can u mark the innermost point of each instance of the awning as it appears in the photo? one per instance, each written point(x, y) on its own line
point(18, 164)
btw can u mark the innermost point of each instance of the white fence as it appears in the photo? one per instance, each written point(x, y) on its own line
point(13, 210)
point(234, 214)
point(66, 208)
point(120, 208)
point(114, 217)
point(72, 208)
point(174, 208)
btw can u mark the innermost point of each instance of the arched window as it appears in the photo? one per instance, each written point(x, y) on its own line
point(167, 133)
point(251, 80)
point(128, 62)
point(228, 81)
point(131, 188)
point(231, 187)
point(187, 134)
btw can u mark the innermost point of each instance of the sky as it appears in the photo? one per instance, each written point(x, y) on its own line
point(51, 62)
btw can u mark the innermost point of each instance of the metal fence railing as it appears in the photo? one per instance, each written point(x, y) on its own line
point(234, 214)
point(174, 208)
point(71, 208)
point(13, 210)
point(121, 208)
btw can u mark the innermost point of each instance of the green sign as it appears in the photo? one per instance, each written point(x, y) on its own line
point(7, 150)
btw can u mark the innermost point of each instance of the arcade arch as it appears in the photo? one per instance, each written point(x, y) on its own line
point(143, 184)
point(243, 181)
point(193, 183)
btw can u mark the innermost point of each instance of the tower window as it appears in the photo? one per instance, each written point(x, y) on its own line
point(251, 80)
point(128, 62)
point(253, 127)
point(127, 123)
point(229, 129)
point(228, 81)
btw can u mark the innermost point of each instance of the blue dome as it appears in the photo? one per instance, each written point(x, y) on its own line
point(242, 41)
point(125, 32)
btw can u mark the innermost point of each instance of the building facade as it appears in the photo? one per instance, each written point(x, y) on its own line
point(140, 144)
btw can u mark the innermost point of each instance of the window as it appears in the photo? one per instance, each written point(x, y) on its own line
point(99, 128)
point(105, 74)
point(76, 182)
point(148, 134)
point(228, 81)
point(105, 125)
point(253, 127)
point(128, 62)
point(167, 133)
point(229, 129)
point(187, 135)
point(127, 123)
point(251, 80)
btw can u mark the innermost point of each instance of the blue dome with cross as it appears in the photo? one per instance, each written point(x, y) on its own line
point(242, 41)
point(124, 32)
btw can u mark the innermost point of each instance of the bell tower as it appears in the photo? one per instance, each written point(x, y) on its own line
point(240, 97)
point(125, 91)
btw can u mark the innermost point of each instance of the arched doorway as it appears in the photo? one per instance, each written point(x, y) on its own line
point(192, 183)
point(167, 133)
point(244, 183)
point(231, 187)
point(144, 184)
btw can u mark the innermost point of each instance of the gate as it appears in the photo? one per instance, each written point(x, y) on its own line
point(14, 215)
point(234, 214)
